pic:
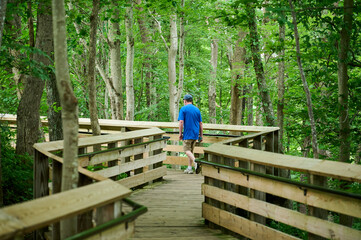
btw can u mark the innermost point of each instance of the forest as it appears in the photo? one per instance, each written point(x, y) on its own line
point(291, 64)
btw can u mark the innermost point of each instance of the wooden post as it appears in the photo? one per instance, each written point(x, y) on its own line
point(138, 157)
point(160, 164)
point(243, 190)
point(215, 183)
point(85, 219)
point(257, 144)
point(114, 162)
point(41, 179)
point(56, 181)
point(317, 212)
point(270, 148)
point(125, 143)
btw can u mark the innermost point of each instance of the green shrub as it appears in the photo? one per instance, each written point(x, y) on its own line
point(17, 171)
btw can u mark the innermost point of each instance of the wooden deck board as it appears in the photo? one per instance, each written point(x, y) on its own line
point(174, 209)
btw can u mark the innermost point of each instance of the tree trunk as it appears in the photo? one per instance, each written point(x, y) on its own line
point(2, 17)
point(115, 67)
point(1, 179)
point(250, 106)
point(130, 61)
point(316, 180)
point(305, 84)
point(28, 117)
point(91, 70)
point(69, 105)
point(181, 61)
point(238, 72)
point(146, 40)
point(53, 100)
point(343, 50)
point(54, 112)
point(108, 82)
point(258, 67)
point(281, 82)
point(213, 82)
point(14, 25)
point(172, 54)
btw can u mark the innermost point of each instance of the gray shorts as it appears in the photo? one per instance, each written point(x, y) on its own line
point(188, 145)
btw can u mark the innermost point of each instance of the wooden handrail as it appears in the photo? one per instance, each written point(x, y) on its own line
point(22, 218)
point(85, 142)
point(227, 193)
point(116, 125)
point(326, 168)
point(301, 185)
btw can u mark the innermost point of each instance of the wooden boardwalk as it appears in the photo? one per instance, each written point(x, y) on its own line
point(174, 209)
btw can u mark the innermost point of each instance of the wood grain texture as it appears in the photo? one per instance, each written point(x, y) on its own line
point(325, 200)
point(339, 170)
point(290, 217)
point(242, 225)
point(44, 211)
point(174, 209)
point(116, 125)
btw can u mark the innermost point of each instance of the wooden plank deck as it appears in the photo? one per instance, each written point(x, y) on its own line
point(174, 209)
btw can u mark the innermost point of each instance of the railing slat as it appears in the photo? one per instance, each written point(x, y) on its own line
point(333, 169)
point(241, 225)
point(47, 210)
point(330, 201)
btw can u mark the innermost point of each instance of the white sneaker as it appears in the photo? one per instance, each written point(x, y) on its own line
point(188, 171)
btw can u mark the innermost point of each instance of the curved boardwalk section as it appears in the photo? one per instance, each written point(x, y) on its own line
point(174, 209)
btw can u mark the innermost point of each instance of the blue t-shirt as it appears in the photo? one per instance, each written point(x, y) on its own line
point(191, 116)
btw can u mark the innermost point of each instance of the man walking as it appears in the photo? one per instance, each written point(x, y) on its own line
point(190, 120)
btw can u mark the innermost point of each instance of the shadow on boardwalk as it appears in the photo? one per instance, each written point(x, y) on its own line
point(174, 209)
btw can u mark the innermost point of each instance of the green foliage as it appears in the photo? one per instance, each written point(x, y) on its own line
point(289, 230)
point(17, 171)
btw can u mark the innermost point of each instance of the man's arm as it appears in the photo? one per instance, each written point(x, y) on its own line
point(200, 131)
point(181, 129)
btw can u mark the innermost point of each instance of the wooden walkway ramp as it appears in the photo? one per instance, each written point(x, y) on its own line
point(174, 209)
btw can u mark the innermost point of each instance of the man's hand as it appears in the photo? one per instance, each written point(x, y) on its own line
point(200, 139)
point(180, 137)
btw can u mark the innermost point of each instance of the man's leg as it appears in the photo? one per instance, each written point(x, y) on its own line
point(191, 158)
point(188, 150)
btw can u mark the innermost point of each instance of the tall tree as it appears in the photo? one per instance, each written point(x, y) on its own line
point(2, 21)
point(343, 60)
point(53, 99)
point(69, 105)
point(13, 26)
point(109, 81)
point(316, 180)
point(2, 17)
point(147, 65)
point(91, 69)
point(305, 84)
point(116, 95)
point(213, 81)
point(238, 66)
point(281, 79)
point(182, 36)
point(54, 112)
point(174, 90)
point(343, 92)
point(258, 66)
point(130, 62)
point(172, 78)
point(28, 117)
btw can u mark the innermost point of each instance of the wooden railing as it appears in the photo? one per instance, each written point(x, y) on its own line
point(175, 156)
point(130, 159)
point(20, 219)
point(246, 189)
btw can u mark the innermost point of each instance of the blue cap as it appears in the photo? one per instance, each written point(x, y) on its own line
point(188, 98)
